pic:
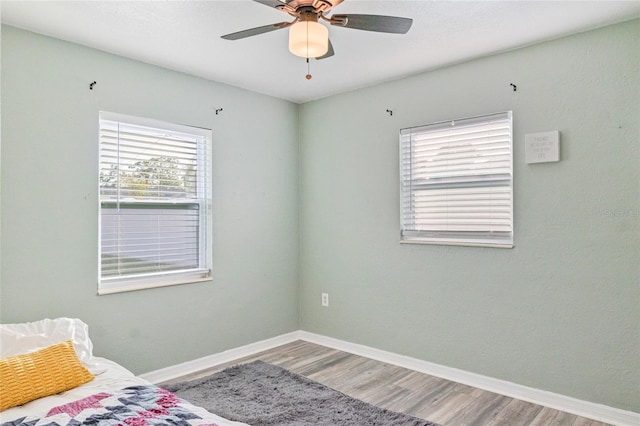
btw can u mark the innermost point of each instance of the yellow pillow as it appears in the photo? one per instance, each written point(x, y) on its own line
point(34, 375)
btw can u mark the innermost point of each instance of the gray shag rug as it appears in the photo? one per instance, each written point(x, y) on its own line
point(263, 394)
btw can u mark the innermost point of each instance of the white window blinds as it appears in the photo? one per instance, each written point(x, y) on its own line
point(456, 182)
point(154, 203)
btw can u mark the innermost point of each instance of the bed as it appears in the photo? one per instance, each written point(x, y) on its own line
point(97, 391)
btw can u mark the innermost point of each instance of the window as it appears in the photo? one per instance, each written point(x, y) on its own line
point(456, 182)
point(155, 203)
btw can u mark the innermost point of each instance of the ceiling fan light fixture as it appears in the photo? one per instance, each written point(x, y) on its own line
point(308, 39)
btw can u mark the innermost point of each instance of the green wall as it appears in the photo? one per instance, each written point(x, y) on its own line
point(50, 206)
point(560, 311)
point(306, 201)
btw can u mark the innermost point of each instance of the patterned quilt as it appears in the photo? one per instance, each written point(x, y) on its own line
point(132, 406)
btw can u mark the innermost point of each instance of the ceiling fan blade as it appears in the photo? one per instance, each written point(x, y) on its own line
point(271, 3)
point(325, 5)
point(379, 23)
point(276, 4)
point(329, 53)
point(255, 31)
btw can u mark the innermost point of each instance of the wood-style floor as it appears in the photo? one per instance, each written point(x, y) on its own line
point(407, 391)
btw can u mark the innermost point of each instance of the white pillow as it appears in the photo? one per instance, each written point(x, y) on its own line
point(16, 339)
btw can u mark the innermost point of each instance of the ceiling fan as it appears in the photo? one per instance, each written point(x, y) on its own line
point(308, 38)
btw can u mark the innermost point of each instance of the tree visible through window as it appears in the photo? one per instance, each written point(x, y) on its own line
point(154, 203)
point(156, 177)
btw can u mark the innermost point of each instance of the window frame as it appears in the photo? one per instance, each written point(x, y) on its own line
point(203, 201)
point(409, 232)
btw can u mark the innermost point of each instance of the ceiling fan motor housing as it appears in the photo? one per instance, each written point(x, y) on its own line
point(319, 5)
point(307, 13)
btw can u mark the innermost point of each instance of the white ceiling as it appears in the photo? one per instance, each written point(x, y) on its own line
point(185, 36)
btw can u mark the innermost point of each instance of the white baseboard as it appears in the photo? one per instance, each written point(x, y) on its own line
point(556, 401)
point(189, 367)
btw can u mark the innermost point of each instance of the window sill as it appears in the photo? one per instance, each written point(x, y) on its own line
point(459, 243)
point(121, 285)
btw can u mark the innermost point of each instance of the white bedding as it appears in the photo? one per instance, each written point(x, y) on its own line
point(112, 378)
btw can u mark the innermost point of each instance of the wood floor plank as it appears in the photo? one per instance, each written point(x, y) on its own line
point(523, 411)
point(399, 389)
point(581, 421)
point(447, 408)
point(481, 410)
point(544, 417)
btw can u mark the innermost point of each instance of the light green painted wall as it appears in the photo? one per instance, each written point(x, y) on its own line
point(50, 206)
point(560, 311)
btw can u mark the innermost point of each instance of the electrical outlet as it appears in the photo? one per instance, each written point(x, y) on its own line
point(325, 299)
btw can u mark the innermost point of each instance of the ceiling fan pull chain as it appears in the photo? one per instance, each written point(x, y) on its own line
point(308, 76)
